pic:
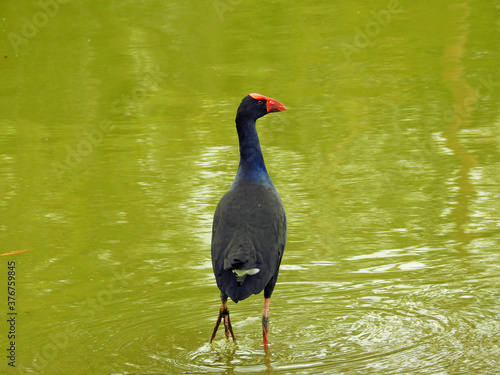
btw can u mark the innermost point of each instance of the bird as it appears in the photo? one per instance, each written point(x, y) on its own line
point(249, 225)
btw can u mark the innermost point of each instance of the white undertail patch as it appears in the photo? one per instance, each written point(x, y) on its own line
point(251, 271)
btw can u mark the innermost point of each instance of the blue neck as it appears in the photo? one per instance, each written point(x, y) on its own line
point(252, 167)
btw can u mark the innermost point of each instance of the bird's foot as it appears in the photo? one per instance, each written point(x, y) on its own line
point(228, 329)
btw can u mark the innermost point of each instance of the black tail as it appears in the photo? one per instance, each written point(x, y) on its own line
point(241, 275)
point(241, 256)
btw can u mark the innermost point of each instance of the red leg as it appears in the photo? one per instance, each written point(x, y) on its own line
point(227, 325)
point(265, 322)
point(216, 325)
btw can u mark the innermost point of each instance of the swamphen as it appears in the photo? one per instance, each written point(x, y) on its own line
point(249, 228)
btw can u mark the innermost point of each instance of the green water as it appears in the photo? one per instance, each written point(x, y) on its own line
point(117, 140)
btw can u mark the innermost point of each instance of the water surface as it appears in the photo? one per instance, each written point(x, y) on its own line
point(117, 141)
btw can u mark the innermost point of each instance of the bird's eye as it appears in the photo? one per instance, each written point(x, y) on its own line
point(259, 102)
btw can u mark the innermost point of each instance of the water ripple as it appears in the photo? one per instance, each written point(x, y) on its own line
point(367, 325)
point(340, 333)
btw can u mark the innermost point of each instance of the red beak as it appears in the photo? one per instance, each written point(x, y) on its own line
point(272, 105)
